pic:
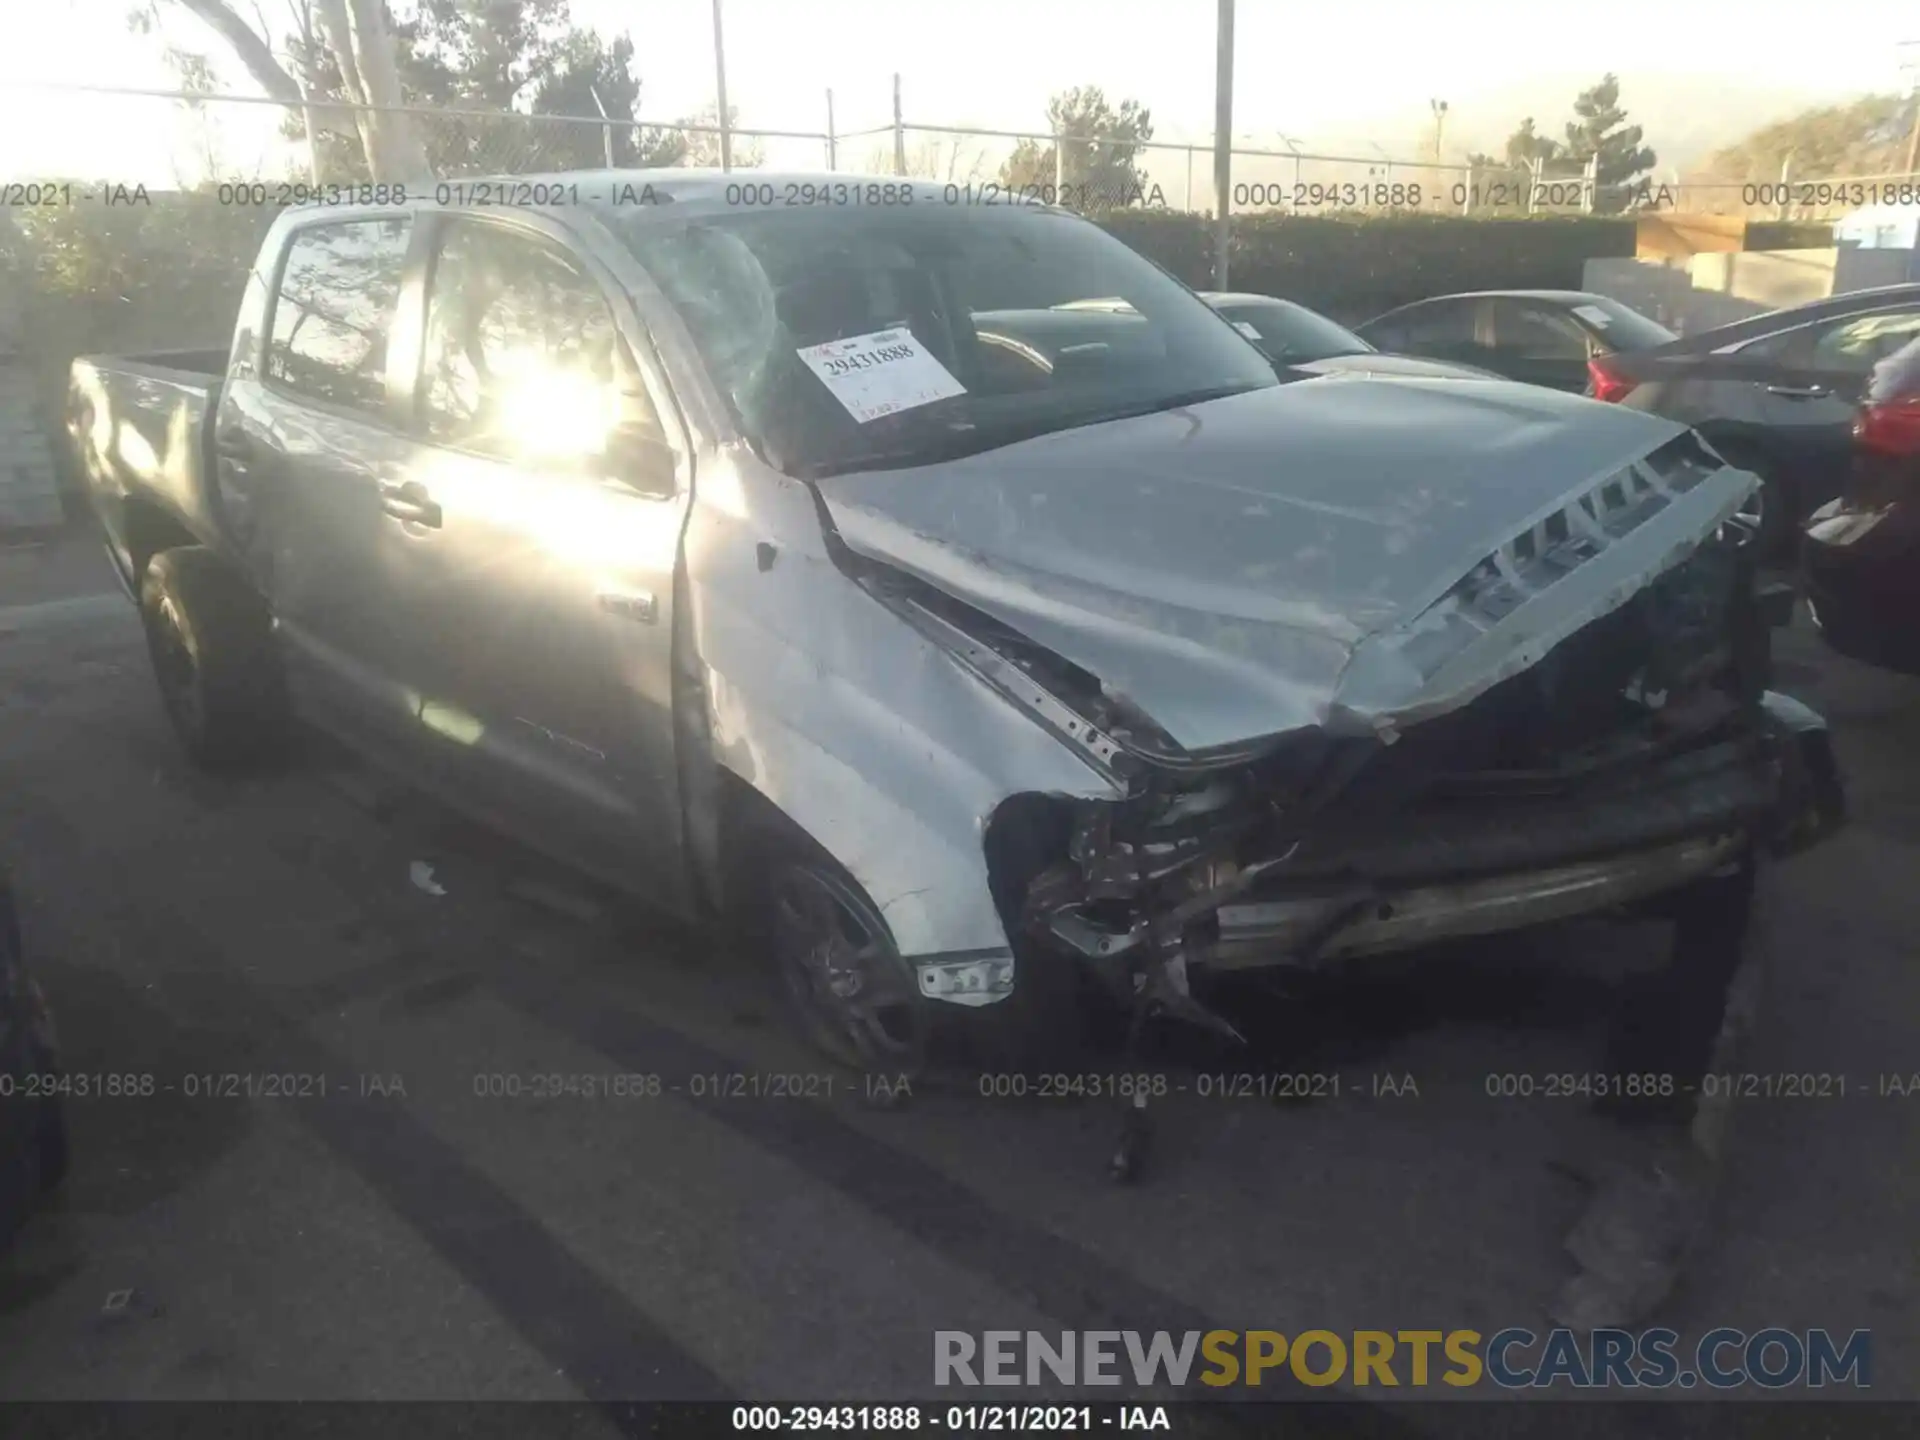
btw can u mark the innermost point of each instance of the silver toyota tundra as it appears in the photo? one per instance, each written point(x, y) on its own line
point(945, 587)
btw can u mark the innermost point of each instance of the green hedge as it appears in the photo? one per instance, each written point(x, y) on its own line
point(1354, 267)
point(164, 275)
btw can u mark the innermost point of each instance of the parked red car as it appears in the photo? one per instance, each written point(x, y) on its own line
point(1860, 556)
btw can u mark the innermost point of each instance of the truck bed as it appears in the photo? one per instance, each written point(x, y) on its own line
point(186, 365)
point(139, 427)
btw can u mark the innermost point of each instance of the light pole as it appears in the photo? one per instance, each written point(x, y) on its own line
point(1222, 143)
point(1439, 108)
point(1287, 140)
point(720, 90)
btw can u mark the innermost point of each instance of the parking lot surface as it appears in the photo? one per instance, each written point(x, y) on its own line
point(409, 1220)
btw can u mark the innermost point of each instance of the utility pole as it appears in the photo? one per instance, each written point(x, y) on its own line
point(899, 131)
point(1910, 67)
point(1439, 108)
point(1222, 144)
point(720, 90)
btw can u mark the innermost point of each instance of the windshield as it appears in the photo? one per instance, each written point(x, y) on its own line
point(1291, 334)
point(904, 336)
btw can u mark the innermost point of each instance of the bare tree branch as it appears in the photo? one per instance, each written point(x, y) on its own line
point(250, 49)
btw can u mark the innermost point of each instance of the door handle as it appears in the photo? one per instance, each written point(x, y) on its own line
point(408, 500)
point(1799, 392)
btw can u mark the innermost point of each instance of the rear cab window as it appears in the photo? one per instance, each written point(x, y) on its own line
point(333, 312)
point(1292, 334)
point(1444, 329)
point(1619, 327)
point(1530, 331)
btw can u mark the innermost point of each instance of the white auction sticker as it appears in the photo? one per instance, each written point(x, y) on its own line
point(880, 374)
point(1247, 330)
point(1593, 315)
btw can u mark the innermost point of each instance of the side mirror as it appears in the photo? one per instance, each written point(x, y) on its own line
point(639, 457)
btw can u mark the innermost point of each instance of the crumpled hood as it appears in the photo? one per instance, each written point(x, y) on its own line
point(1220, 565)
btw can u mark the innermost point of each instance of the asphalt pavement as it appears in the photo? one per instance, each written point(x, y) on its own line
point(401, 1224)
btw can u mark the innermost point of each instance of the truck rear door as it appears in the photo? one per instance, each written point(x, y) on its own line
point(307, 443)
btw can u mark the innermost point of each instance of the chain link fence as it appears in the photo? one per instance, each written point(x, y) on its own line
point(177, 140)
point(184, 141)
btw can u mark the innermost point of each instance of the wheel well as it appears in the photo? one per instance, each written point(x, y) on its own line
point(148, 530)
point(752, 828)
point(748, 821)
point(1737, 447)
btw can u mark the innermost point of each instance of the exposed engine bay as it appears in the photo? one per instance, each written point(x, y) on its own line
point(1633, 756)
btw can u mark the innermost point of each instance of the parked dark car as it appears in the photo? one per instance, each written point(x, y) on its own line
point(1544, 337)
point(33, 1132)
point(1776, 394)
point(1308, 343)
point(1861, 554)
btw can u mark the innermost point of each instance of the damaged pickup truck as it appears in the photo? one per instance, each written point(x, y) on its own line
point(946, 587)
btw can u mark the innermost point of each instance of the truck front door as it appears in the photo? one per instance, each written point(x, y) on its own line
point(544, 596)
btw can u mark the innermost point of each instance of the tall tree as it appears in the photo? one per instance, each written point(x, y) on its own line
point(1525, 146)
point(591, 77)
point(510, 58)
point(1599, 132)
point(358, 41)
point(1867, 136)
point(1098, 145)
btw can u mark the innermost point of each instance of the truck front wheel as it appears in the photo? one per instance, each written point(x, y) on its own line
point(211, 641)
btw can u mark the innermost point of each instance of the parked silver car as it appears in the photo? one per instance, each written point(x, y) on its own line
point(752, 545)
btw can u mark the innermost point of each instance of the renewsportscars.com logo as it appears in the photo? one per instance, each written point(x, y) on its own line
point(1514, 1359)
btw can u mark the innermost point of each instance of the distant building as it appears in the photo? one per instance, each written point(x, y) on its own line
point(1880, 227)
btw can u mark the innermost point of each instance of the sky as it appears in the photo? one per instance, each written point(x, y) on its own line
point(1363, 70)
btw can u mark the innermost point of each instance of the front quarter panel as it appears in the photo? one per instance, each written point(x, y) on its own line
point(860, 729)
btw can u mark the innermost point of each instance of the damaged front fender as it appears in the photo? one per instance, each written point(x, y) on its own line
point(875, 741)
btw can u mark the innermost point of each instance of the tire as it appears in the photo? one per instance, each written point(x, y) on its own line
point(1671, 1021)
point(844, 985)
point(1777, 521)
point(211, 642)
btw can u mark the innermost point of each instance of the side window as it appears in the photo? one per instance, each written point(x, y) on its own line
point(1389, 335)
point(1446, 328)
point(1789, 347)
point(522, 358)
point(1857, 345)
point(1529, 332)
point(338, 290)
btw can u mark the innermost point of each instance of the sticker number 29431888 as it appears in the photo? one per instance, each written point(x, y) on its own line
point(880, 373)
